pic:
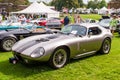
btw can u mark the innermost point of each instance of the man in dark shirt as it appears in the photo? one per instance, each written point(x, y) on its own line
point(66, 20)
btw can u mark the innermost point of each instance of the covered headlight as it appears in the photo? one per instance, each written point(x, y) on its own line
point(38, 52)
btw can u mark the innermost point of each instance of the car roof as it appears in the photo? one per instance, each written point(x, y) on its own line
point(88, 25)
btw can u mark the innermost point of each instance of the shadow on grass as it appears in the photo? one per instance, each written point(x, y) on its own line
point(20, 71)
point(117, 36)
point(84, 58)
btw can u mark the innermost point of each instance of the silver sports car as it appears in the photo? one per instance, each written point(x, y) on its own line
point(73, 41)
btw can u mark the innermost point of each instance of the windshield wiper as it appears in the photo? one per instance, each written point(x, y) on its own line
point(75, 34)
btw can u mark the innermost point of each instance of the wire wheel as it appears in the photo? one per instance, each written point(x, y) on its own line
point(106, 46)
point(59, 58)
point(8, 43)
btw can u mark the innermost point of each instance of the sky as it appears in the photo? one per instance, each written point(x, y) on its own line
point(85, 1)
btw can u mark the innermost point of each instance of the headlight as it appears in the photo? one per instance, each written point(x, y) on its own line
point(38, 52)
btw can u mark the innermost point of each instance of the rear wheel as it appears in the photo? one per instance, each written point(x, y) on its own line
point(59, 58)
point(106, 46)
point(7, 44)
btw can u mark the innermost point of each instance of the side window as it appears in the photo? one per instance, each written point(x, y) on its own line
point(94, 31)
point(82, 30)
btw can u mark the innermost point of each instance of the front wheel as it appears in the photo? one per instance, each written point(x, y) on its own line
point(7, 44)
point(59, 58)
point(106, 46)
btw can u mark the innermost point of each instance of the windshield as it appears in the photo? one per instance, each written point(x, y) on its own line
point(75, 29)
point(105, 22)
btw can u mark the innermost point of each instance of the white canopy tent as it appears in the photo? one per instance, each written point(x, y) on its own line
point(36, 8)
point(103, 10)
point(49, 11)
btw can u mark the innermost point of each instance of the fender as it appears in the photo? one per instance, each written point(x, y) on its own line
point(9, 35)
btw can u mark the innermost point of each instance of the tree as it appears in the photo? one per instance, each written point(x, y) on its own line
point(93, 4)
point(59, 4)
point(15, 3)
point(80, 3)
point(103, 4)
point(19, 2)
point(96, 4)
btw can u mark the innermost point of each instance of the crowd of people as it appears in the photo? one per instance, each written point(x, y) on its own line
point(69, 18)
point(115, 19)
point(20, 17)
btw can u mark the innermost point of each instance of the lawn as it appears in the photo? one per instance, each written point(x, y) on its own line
point(91, 16)
point(87, 16)
point(96, 67)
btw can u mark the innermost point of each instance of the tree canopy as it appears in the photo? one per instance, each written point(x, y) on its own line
point(59, 4)
point(17, 2)
point(80, 3)
point(96, 4)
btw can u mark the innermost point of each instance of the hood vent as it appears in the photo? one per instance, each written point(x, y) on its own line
point(52, 37)
point(42, 40)
point(46, 39)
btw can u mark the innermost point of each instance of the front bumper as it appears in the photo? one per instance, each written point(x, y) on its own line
point(27, 59)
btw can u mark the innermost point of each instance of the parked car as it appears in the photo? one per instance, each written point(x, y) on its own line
point(90, 21)
point(6, 25)
point(53, 23)
point(47, 22)
point(61, 20)
point(74, 41)
point(9, 37)
point(106, 23)
point(40, 21)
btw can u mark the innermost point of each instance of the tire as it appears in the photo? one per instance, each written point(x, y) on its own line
point(59, 58)
point(106, 46)
point(7, 43)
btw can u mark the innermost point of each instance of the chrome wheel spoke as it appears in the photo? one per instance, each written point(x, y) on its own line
point(8, 44)
point(106, 47)
point(59, 57)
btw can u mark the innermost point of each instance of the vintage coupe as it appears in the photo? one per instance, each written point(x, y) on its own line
point(74, 41)
point(9, 25)
point(9, 37)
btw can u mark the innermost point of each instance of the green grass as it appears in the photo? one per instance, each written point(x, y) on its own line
point(91, 16)
point(87, 16)
point(97, 67)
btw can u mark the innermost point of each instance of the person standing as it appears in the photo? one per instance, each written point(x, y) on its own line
point(23, 19)
point(79, 19)
point(113, 23)
point(71, 18)
point(66, 20)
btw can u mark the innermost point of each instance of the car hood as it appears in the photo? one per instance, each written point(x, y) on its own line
point(16, 31)
point(28, 45)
